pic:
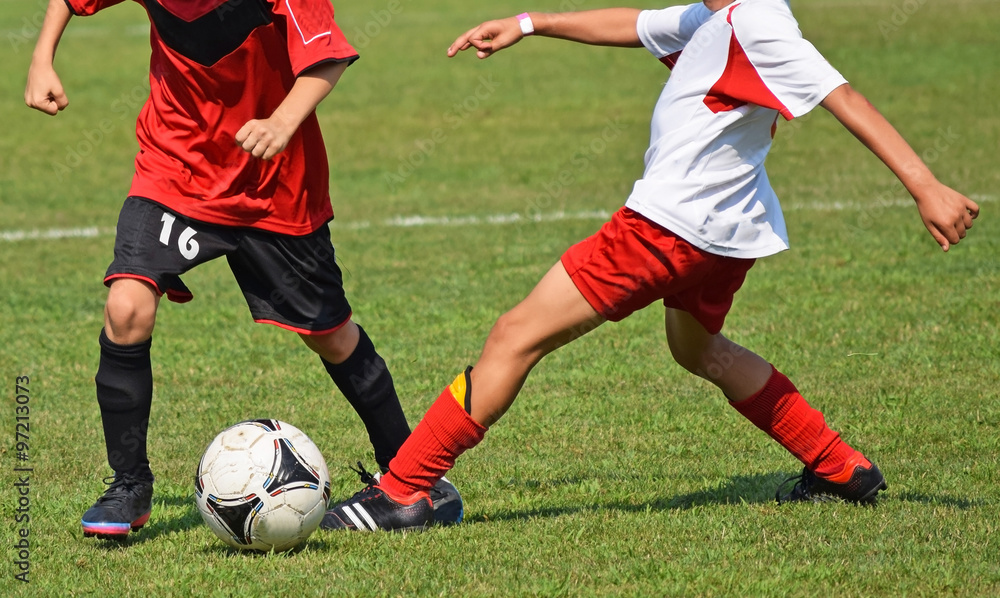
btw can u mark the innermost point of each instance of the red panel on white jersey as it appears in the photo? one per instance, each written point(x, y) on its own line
point(733, 73)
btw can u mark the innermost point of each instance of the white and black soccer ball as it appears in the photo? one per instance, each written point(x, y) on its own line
point(262, 485)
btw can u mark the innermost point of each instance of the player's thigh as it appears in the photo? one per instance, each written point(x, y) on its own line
point(554, 313)
point(292, 282)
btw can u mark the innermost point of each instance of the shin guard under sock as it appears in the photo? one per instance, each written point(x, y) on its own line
point(779, 410)
point(445, 432)
point(125, 394)
point(365, 381)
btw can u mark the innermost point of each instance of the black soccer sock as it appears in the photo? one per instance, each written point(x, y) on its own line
point(125, 395)
point(365, 380)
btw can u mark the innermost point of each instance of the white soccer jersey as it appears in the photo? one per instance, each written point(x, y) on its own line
point(712, 127)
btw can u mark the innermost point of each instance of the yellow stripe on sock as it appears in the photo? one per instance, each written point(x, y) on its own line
point(457, 389)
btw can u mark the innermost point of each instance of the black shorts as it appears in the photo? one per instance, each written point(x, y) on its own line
point(292, 282)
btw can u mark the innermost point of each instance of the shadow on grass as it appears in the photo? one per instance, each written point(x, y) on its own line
point(755, 489)
point(738, 490)
point(961, 504)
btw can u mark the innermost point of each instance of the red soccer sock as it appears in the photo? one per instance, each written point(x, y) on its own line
point(779, 410)
point(446, 432)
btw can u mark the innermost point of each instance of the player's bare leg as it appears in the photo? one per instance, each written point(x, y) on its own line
point(769, 400)
point(130, 311)
point(553, 314)
point(335, 346)
point(125, 394)
point(364, 379)
point(736, 370)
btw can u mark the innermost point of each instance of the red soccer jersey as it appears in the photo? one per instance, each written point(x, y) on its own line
point(215, 65)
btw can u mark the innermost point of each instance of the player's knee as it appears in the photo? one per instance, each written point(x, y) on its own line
point(692, 359)
point(502, 330)
point(514, 335)
point(711, 360)
point(129, 317)
point(334, 346)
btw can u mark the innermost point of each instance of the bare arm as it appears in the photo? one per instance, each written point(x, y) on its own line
point(266, 138)
point(44, 90)
point(603, 27)
point(946, 213)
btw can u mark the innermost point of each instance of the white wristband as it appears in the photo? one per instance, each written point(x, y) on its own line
point(527, 27)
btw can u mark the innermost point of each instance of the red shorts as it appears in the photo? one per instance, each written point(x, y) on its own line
point(633, 261)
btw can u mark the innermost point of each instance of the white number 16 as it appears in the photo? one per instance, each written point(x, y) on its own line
point(185, 243)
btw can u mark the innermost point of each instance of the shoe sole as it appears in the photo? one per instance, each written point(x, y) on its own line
point(869, 499)
point(113, 531)
point(399, 530)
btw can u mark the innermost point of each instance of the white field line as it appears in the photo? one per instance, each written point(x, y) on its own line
point(52, 233)
point(13, 236)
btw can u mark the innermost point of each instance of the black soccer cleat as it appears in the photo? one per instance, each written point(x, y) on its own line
point(862, 487)
point(125, 506)
point(448, 506)
point(373, 510)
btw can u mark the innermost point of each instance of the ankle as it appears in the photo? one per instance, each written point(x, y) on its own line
point(400, 491)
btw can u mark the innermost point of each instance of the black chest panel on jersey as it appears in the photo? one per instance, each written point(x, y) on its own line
point(210, 37)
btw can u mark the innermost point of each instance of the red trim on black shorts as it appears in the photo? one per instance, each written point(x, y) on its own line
point(303, 330)
point(146, 279)
point(172, 295)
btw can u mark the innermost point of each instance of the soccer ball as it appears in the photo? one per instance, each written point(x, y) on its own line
point(262, 485)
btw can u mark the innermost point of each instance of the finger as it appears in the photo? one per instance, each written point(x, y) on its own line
point(461, 42)
point(46, 106)
point(60, 99)
point(938, 236)
point(967, 219)
point(271, 150)
point(251, 144)
point(42, 104)
point(244, 133)
point(457, 46)
point(953, 234)
point(482, 43)
point(262, 143)
point(973, 208)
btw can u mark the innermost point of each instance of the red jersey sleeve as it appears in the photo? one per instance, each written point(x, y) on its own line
point(313, 36)
point(83, 8)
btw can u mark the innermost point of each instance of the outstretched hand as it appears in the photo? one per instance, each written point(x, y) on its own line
point(488, 38)
point(946, 213)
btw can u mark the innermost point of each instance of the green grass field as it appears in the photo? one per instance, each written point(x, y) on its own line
point(457, 183)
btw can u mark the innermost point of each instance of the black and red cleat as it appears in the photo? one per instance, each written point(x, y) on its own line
point(373, 510)
point(124, 507)
point(859, 483)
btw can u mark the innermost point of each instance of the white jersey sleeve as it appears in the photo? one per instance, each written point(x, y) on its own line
point(665, 32)
point(790, 67)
